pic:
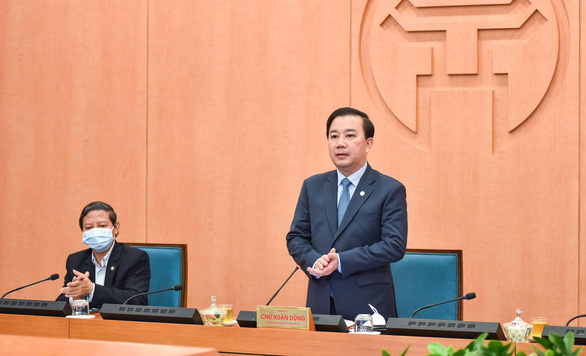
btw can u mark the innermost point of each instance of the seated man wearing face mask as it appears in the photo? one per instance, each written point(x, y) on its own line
point(106, 272)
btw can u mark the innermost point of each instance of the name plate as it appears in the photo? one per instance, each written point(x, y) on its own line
point(284, 318)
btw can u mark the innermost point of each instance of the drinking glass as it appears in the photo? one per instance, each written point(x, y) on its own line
point(538, 323)
point(80, 307)
point(229, 312)
point(363, 323)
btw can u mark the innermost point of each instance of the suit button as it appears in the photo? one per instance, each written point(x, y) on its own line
point(327, 278)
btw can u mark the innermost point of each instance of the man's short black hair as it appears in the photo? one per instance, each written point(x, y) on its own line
point(366, 123)
point(97, 205)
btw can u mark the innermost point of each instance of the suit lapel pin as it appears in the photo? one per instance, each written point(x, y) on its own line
point(362, 193)
point(112, 268)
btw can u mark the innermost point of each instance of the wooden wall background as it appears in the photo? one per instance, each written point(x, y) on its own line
point(199, 120)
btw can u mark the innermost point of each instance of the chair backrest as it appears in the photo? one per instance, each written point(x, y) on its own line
point(168, 268)
point(425, 277)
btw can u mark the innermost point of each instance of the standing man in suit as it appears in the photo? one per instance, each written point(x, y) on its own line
point(106, 272)
point(349, 225)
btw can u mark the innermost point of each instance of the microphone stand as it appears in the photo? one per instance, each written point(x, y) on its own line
point(175, 287)
point(467, 297)
point(302, 261)
point(51, 278)
point(576, 317)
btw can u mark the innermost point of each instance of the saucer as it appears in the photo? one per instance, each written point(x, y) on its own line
point(365, 333)
point(80, 316)
point(233, 322)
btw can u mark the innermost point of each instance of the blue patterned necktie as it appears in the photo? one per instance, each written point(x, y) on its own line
point(344, 199)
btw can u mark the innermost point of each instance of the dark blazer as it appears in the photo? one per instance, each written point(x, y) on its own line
point(128, 273)
point(373, 233)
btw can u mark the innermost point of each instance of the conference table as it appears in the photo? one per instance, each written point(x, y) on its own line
point(226, 340)
point(49, 346)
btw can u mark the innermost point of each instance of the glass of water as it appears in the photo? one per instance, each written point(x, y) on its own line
point(363, 323)
point(80, 307)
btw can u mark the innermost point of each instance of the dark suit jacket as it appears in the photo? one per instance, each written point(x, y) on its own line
point(128, 273)
point(373, 233)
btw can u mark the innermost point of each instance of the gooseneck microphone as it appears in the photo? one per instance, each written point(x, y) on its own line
point(576, 317)
point(467, 296)
point(51, 278)
point(175, 287)
point(301, 262)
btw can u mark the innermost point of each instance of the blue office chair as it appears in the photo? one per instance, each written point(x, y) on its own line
point(168, 268)
point(426, 277)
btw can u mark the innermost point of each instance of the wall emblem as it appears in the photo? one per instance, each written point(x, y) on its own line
point(411, 48)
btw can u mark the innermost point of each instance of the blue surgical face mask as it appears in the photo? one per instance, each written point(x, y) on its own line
point(98, 239)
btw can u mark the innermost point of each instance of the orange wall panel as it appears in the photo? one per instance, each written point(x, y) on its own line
point(72, 129)
point(238, 98)
point(582, 163)
point(483, 130)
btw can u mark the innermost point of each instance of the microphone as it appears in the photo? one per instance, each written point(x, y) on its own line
point(301, 261)
point(51, 278)
point(467, 296)
point(576, 317)
point(175, 287)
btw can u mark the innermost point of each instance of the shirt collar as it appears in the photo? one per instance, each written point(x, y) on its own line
point(354, 177)
point(105, 258)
